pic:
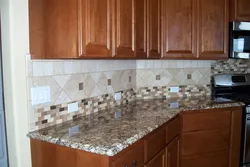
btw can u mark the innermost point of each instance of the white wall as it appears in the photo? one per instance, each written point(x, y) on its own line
point(15, 43)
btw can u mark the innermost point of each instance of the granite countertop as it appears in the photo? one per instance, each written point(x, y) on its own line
point(109, 131)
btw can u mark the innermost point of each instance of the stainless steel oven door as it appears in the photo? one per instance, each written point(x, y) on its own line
point(246, 155)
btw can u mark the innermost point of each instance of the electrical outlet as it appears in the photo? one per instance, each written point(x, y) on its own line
point(174, 89)
point(174, 105)
point(73, 107)
point(118, 114)
point(118, 96)
point(40, 95)
point(74, 130)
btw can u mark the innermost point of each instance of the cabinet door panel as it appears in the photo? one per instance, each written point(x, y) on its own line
point(240, 10)
point(141, 28)
point(154, 28)
point(158, 160)
point(124, 37)
point(180, 27)
point(213, 29)
point(96, 26)
point(172, 153)
point(54, 28)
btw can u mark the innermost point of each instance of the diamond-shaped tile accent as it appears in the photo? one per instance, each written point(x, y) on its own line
point(55, 90)
point(181, 76)
point(102, 83)
point(196, 76)
point(89, 85)
point(61, 79)
point(166, 77)
point(71, 88)
point(117, 81)
point(62, 98)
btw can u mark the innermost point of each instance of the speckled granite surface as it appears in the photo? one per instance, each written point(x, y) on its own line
point(110, 131)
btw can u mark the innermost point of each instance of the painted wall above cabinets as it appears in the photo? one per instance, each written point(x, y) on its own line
point(132, 29)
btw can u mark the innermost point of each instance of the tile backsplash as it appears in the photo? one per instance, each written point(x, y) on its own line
point(92, 83)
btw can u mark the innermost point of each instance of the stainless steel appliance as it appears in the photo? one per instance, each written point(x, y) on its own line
point(239, 40)
point(237, 88)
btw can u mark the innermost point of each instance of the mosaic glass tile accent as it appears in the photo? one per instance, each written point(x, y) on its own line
point(56, 114)
point(230, 66)
point(164, 92)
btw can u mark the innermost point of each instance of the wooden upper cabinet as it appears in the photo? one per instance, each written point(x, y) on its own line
point(96, 28)
point(141, 28)
point(240, 10)
point(54, 28)
point(123, 28)
point(180, 29)
point(154, 28)
point(213, 29)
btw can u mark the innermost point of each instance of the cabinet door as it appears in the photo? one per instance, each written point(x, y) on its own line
point(240, 10)
point(158, 160)
point(154, 28)
point(96, 28)
point(141, 28)
point(180, 29)
point(213, 29)
point(54, 28)
point(172, 153)
point(124, 29)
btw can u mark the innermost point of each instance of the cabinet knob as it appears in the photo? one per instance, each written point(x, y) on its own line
point(134, 163)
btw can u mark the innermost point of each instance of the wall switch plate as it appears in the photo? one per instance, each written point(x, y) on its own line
point(40, 95)
point(74, 130)
point(174, 89)
point(118, 96)
point(72, 107)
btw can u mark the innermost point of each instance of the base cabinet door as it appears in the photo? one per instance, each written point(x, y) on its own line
point(172, 153)
point(158, 160)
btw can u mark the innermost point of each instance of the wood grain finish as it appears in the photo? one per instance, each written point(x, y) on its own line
point(206, 120)
point(51, 155)
point(180, 26)
point(207, 141)
point(141, 28)
point(173, 129)
point(132, 155)
point(158, 160)
point(124, 28)
point(219, 159)
point(95, 21)
point(154, 28)
point(213, 29)
point(235, 139)
point(154, 143)
point(172, 153)
point(239, 10)
point(61, 28)
point(54, 28)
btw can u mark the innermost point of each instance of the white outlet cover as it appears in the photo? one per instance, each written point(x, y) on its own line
point(118, 96)
point(72, 107)
point(74, 130)
point(40, 95)
point(174, 89)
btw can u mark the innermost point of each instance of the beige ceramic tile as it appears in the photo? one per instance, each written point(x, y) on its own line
point(40, 81)
point(80, 78)
point(196, 76)
point(88, 85)
point(48, 68)
point(61, 79)
point(59, 68)
point(181, 76)
point(166, 77)
point(116, 81)
point(71, 88)
point(102, 83)
point(80, 95)
point(37, 68)
point(55, 89)
point(62, 98)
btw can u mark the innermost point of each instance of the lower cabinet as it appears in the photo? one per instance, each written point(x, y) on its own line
point(172, 153)
point(158, 160)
